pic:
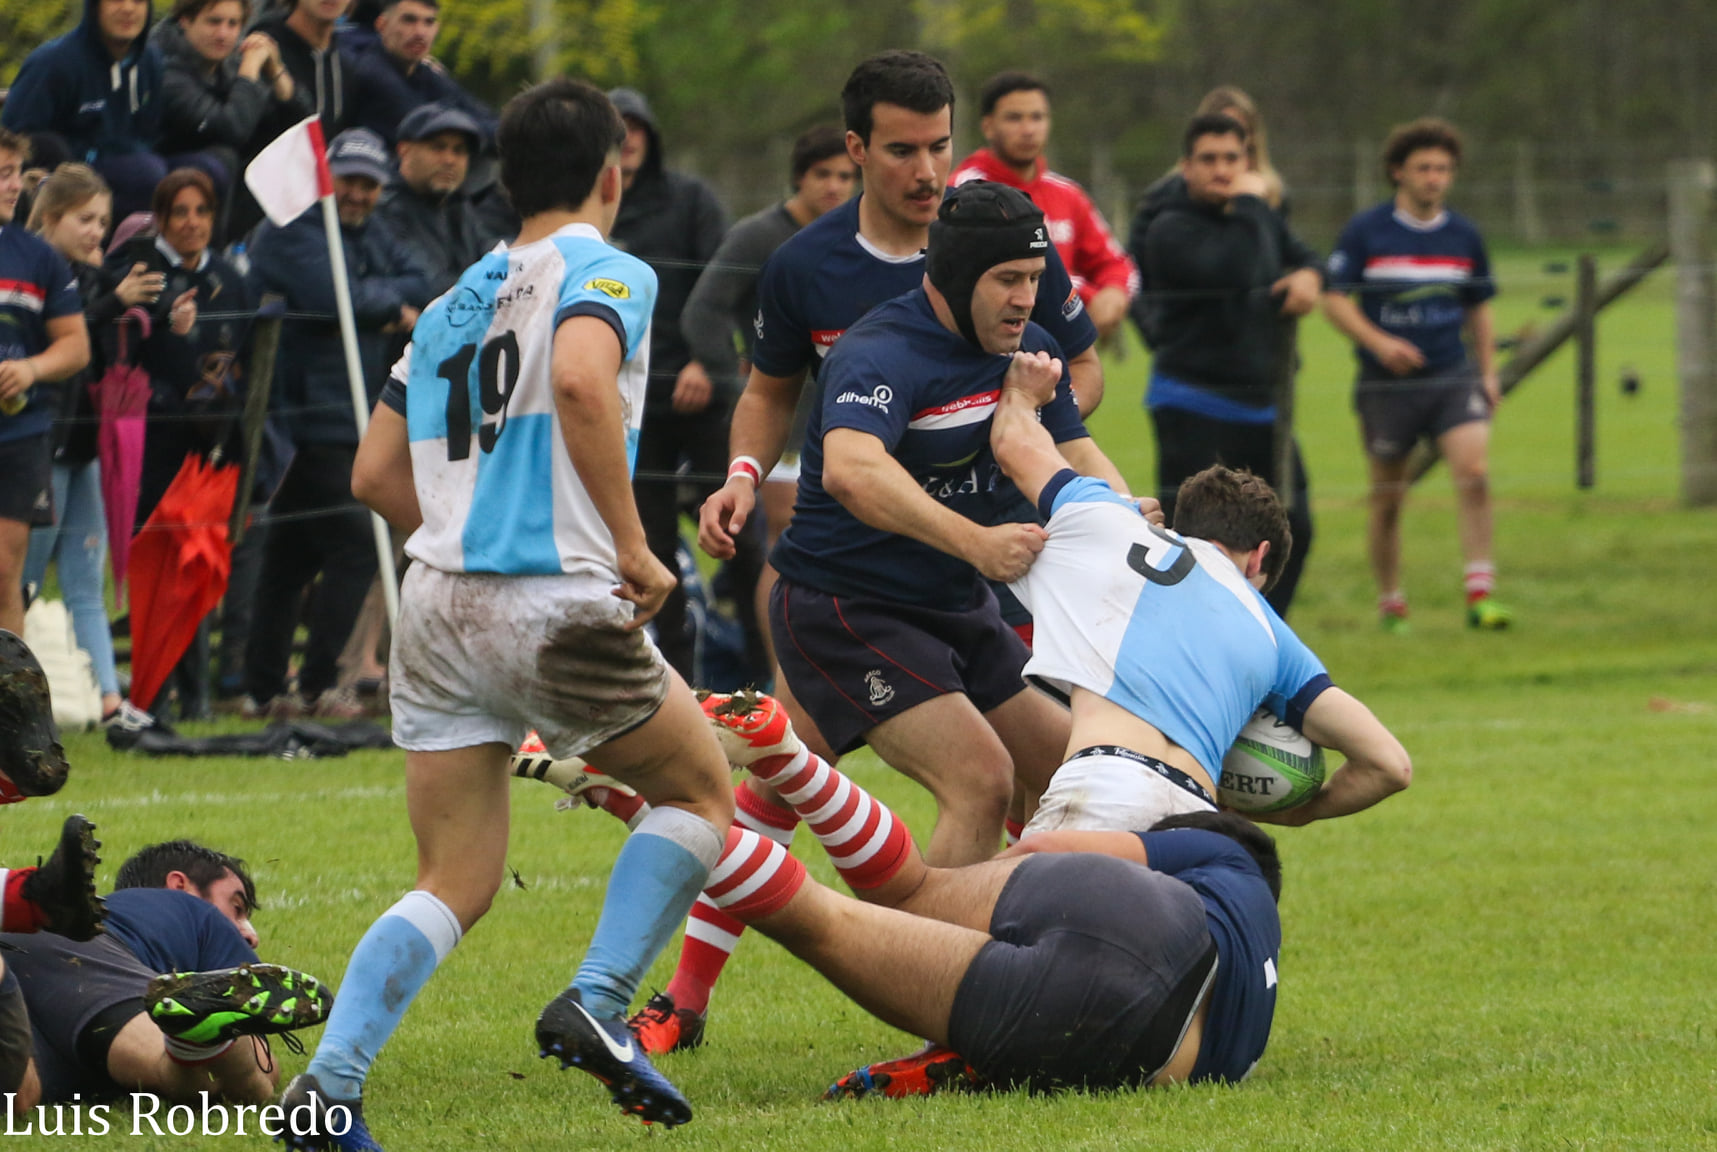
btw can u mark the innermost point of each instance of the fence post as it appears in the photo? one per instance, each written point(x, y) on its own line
point(1692, 184)
point(1585, 372)
point(264, 346)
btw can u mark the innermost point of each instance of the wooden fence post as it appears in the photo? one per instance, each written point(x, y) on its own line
point(1585, 372)
point(1692, 184)
point(264, 346)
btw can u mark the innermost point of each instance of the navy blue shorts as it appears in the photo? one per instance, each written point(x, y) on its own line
point(80, 994)
point(15, 1041)
point(1396, 413)
point(854, 662)
point(1095, 972)
point(27, 481)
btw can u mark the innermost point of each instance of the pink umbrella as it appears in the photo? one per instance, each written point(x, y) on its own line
point(121, 397)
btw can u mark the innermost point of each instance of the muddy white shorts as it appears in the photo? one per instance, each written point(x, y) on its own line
point(1111, 789)
point(481, 658)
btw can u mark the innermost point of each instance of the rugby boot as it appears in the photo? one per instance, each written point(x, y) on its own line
point(608, 1051)
point(663, 1027)
point(250, 1000)
point(335, 1125)
point(32, 763)
point(935, 1069)
point(751, 726)
point(64, 887)
point(1487, 615)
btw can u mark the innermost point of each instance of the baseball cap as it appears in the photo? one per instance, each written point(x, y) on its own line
point(429, 119)
point(360, 152)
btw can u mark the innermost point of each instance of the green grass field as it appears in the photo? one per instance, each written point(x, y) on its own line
point(1515, 954)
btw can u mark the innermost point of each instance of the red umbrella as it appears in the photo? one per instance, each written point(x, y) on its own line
point(121, 397)
point(180, 562)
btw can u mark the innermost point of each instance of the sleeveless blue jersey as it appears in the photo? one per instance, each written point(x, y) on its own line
point(928, 395)
point(1162, 625)
point(1413, 280)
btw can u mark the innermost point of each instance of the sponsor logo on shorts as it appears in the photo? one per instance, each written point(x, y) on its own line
point(880, 397)
point(881, 692)
point(610, 288)
point(1477, 404)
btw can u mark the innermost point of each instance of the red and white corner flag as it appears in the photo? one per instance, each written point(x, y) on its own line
point(291, 174)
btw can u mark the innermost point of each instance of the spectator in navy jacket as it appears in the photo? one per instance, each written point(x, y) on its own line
point(94, 95)
point(393, 74)
point(317, 526)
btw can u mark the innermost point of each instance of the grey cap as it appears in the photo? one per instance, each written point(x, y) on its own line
point(360, 152)
point(430, 119)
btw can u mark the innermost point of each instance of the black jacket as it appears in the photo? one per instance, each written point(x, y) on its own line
point(674, 223)
point(1213, 318)
point(310, 385)
point(444, 233)
point(202, 108)
point(75, 430)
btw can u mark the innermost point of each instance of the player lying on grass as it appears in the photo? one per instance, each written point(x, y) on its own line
point(1163, 642)
point(502, 444)
point(1091, 959)
point(171, 1000)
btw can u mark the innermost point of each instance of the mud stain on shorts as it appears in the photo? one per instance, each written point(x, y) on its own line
point(594, 676)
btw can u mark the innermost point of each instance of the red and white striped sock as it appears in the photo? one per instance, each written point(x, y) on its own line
point(866, 842)
point(1012, 830)
point(1480, 580)
point(754, 878)
point(711, 934)
point(16, 913)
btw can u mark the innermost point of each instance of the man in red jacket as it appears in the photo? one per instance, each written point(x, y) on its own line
point(1015, 108)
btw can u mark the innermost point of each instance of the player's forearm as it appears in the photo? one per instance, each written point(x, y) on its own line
point(763, 417)
point(1481, 329)
point(1377, 765)
point(1086, 370)
point(1345, 314)
point(1022, 445)
point(877, 490)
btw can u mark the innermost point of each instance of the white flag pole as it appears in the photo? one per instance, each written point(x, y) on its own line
point(360, 396)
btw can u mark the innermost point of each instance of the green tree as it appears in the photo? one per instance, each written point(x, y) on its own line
point(25, 24)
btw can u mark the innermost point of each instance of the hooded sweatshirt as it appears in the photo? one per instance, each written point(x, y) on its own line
point(674, 223)
point(73, 87)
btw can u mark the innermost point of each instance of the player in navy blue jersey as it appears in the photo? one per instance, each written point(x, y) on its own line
point(1410, 285)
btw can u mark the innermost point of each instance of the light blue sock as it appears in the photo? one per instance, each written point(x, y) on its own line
point(393, 961)
point(659, 872)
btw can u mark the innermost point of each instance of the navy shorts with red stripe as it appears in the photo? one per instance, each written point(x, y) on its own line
point(854, 662)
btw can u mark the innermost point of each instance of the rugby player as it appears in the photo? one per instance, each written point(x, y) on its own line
point(1163, 643)
point(504, 442)
point(898, 107)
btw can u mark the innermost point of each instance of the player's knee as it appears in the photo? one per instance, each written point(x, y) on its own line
point(1473, 481)
point(982, 789)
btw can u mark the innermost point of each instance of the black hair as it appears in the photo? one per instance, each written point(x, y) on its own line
point(1427, 132)
point(1006, 84)
point(555, 138)
point(816, 146)
point(914, 81)
point(1210, 124)
point(148, 868)
point(1238, 510)
point(1259, 844)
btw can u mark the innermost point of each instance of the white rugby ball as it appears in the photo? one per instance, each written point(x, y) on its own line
point(1271, 767)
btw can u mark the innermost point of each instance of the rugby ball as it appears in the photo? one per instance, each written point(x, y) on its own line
point(1271, 767)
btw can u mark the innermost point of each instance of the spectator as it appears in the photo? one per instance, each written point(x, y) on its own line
point(426, 207)
point(42, 340)
point(674, 223)
point(725, 302)
point(392, 74)
point(1420, 281)
point(1234, 103)
point(1226, 269)
point(1015, 123)
point(317, 527)
point(94, 95)
point(217, 90)
point(72, 212)
point(303, 34)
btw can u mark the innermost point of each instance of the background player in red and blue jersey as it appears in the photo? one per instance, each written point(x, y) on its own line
point(1410, 283)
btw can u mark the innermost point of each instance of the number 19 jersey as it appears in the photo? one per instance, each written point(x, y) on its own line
point(494, 480)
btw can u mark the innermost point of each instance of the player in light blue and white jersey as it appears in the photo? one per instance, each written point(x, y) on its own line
point(1163, 642)
point(504, 442)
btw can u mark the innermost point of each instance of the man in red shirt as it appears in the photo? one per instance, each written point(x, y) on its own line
point(1015, 108)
